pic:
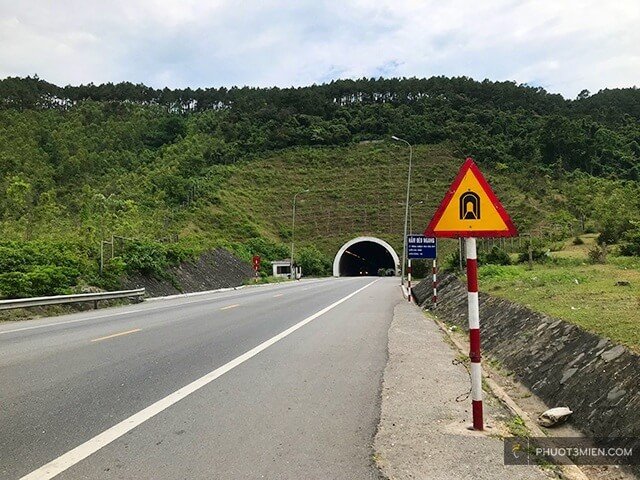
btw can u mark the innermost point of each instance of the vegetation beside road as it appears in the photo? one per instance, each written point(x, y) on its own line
point(218, 168)
point(600, 297)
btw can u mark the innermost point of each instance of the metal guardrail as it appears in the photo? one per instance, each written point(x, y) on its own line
point(81, 297)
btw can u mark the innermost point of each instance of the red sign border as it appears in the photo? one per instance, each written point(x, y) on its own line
point(469, 164)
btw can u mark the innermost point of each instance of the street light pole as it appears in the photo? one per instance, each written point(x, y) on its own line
point(406, 208)
point(293, 231)
point(411, 215)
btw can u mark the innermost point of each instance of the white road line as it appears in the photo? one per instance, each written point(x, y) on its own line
point(115, 314)
point(103, 439)
point(230, 306)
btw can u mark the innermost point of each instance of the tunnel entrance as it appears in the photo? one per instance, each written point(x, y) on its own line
point(365, 256)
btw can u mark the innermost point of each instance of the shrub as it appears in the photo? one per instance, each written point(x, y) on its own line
point(313, 262)
point(22, 256)
point(144, 258)
point(538, 255)
point(51, 280)
point(39, 268)
point(598, 254)
point(422, 268)
point(497, 256)
point(539, 251)
point(14, 285)
point(153, 258)
point(631, 243)
point(590, 228)
point(267, 249)
point(111, 278)
point(614, 230)
point(578, 241)
point(39, 281)
point(452, 262)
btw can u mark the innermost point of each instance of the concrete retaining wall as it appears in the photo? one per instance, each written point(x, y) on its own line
point(560, 362)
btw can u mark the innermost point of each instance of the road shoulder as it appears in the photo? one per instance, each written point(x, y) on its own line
point(423, 428)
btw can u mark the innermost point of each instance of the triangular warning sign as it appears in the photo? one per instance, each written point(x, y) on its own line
point(470, 209)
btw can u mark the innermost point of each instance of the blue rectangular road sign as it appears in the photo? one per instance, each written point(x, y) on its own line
point(419, 246)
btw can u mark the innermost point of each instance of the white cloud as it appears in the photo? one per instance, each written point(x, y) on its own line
point(564, 46)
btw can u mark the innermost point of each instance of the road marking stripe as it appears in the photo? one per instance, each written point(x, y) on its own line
point(230, 306)
point(278, 295)
point(116, 335)
point(103, 439)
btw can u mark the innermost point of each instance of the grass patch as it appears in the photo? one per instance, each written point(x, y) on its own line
point(517, 427)
point(571, 289)
point(263, 280)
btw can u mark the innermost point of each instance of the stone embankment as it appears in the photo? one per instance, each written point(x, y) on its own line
point(215, 269)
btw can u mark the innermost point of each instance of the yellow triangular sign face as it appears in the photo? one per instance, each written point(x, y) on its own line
point(470, 209)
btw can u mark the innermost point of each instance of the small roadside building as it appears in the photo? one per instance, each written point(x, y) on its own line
point(282, 268)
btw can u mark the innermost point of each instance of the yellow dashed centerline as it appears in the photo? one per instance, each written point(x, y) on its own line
point(116, 335)
point(230, 306)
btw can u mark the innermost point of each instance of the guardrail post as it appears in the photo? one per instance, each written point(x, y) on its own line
point(76, 298)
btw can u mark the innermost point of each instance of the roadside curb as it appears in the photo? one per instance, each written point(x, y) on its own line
point(569, 470)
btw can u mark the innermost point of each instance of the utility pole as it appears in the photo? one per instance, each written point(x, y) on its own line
point(293, 232)
point(406, 208)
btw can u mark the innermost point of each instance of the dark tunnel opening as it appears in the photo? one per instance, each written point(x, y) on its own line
point(366, 258)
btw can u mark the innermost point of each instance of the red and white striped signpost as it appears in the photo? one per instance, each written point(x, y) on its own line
point(474, 333)
point(469, 210)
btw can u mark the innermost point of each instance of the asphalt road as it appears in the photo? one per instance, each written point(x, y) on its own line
point(269, 382)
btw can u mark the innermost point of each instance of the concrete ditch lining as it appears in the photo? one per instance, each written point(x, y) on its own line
point(423, 430)
point(570, 471)
point(558, 361)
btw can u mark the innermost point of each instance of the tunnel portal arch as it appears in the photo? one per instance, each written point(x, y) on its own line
point(351, 261)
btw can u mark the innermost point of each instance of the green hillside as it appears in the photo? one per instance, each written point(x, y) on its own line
point(179, 172)
point(358, 190)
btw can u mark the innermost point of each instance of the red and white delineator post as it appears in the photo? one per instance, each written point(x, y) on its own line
point(409, 280)
point(434, 270)
point(474, 333)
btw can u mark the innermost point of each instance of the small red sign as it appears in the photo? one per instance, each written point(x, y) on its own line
point(256, 262)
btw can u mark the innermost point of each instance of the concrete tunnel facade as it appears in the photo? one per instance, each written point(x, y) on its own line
point(365, 256)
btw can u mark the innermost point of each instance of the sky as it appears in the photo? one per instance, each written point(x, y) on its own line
point(564, 46)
